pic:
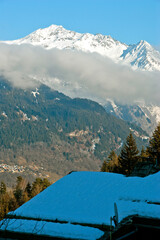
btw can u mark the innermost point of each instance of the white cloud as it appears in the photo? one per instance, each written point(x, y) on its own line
point(88, 74)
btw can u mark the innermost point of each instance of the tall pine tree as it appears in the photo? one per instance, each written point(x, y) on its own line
point(154, 146)
point(111, 165)
point(128, 156)
point(104, 167)
point(2, 188)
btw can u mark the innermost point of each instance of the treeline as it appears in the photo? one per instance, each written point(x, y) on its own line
point(130, 156)
point(23, 191)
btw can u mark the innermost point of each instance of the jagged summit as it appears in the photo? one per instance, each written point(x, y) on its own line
point(140, 56)
point(58, 37)
point(48, 30)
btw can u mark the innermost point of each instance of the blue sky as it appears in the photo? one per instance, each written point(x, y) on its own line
point(126, 20)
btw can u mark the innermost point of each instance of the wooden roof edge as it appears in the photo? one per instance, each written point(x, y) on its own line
point(103, 227)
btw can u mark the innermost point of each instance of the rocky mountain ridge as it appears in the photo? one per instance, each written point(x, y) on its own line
point(140, 56)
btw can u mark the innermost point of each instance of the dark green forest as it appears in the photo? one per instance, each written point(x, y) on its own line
point(44, 129)
point(26, 119)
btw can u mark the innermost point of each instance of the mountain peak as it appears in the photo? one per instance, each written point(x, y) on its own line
point(144, 44)
point(141, 55)
point(44, 32)
point(52, 28)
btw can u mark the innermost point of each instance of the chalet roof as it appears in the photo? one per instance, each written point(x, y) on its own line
point(87, 198)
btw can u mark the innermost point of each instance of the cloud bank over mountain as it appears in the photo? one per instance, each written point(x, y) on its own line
point(77, 73)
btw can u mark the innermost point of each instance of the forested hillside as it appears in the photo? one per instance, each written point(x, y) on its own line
point(45, 133)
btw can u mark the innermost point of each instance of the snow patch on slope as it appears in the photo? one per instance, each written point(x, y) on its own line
point(155, 112)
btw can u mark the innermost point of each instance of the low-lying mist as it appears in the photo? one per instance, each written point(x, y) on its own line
point(77, 74)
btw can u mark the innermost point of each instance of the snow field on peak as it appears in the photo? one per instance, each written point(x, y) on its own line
point(140, 56)
point(58, 37)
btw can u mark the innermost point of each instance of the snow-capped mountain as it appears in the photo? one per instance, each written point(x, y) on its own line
point(58, 37)
point(141, 55)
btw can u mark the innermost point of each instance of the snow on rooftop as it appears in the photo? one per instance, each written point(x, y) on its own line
point(68, 230)
point(88, 197)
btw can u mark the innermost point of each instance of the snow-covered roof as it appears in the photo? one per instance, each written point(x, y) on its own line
point(56, 230)
point(88, 198)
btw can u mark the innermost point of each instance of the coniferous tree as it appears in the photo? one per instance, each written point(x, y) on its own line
point(154, 146)
point(104, 167)
point(45, 183)
point(128, 156)
point(111, 165)
point(36, 187)
point(113, 162)
point(2, 200)
point(2, 188)
point(20, 187)
point(10, 200)
point(39, 185)
point(24, 197)
point(28, 189)
point(143, 155)
point(112, 156)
